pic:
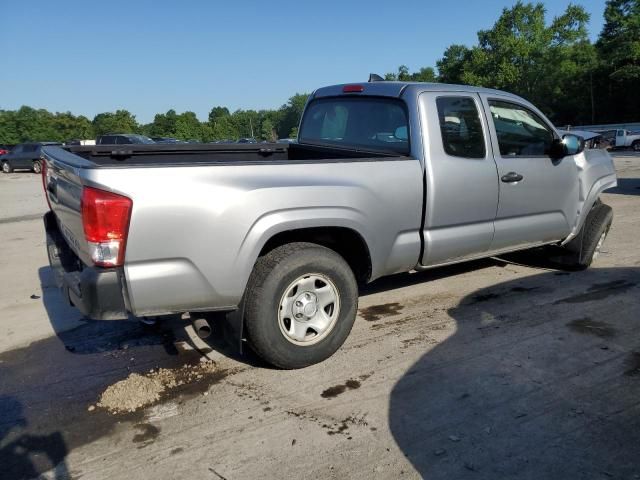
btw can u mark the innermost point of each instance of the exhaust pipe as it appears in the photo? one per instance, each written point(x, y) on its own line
point(202, 327)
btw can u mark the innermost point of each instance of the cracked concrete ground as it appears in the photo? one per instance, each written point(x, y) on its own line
point(493, 369)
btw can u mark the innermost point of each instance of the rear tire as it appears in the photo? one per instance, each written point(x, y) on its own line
point(6, 167)
point(580, 252)
point(37, 167)
point(636, 146)
point(301, 303)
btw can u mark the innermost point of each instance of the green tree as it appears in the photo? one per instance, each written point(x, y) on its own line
point(618, 76)
point(549, 64)
point(290, 114)
point(121, 121)
point(8, 127)
point(164, 124)
point(218, 112)
point(188, 127)
point(69, 127)
point(267, 130)
point(451, 65)
point(425, 74)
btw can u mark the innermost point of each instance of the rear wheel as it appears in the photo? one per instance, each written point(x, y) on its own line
point(636, 146)
point(6, 167)
point(301, 303)
point(37, 167)
point(580, 252)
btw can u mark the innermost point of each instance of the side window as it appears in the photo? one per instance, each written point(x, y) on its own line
point(122, 140)
point(17, 149)
point(461, 127)
point(520, 131)
point(30, 148)
point(107, 140)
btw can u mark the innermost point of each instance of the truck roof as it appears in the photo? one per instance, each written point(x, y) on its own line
point(395, 89)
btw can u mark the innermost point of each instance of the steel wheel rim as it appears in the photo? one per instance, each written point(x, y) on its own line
point(36, 167)
point(599, 245)
point(5, 167)
point(308, 309)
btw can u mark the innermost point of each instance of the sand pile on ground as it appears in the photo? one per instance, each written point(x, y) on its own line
point(137, 391)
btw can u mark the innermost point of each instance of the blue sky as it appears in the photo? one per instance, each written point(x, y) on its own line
point(150, 56)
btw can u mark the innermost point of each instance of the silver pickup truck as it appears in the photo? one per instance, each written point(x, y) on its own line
point(386, 177)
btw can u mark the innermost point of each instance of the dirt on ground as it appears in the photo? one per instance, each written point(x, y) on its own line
point(141, 390)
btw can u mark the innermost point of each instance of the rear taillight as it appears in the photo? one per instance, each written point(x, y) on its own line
point(43, 172)
point(105, 219)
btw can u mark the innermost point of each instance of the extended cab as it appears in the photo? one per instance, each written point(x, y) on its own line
point(386, 177)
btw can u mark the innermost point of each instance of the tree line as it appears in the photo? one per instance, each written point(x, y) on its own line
point(554, 65)
point(29, 124)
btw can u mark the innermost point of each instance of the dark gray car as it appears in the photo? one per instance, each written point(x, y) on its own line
point(123, 139)
point(25, 156)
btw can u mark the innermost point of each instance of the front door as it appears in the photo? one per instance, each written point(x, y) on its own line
point(538, 195)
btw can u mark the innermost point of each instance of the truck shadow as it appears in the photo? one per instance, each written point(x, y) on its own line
point(85, 336)
point(50, 388)
point(626, 186)
point(541, 379)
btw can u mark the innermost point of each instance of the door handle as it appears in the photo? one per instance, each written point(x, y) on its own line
point(511, 177)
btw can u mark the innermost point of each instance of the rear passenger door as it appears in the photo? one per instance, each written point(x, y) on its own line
point(538, 194)
point(461, 183)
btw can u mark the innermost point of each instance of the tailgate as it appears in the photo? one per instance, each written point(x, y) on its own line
point(63, 188)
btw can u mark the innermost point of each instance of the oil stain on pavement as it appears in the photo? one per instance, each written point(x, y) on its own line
point(376, 312)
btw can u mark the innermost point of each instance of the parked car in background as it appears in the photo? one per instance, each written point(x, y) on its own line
point(78, 141)
point(25, 156)
point(123, 139)
point(166, 140)
point(627, 139)
point(286, 140)
point(247, 140)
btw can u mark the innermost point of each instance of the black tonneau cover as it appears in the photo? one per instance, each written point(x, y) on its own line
point(147, 155)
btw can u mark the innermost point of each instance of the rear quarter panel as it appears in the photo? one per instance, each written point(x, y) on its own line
point(196, 231)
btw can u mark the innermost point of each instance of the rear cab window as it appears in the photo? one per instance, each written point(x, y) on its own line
point(461, 127)
point(377, 124)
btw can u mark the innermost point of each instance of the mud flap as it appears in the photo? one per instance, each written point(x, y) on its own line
point(233, 326)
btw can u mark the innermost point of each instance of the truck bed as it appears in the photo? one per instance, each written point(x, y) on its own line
point(202, 154)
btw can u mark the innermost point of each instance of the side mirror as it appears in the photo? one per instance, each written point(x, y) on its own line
point(572, 144)
point(569, 145)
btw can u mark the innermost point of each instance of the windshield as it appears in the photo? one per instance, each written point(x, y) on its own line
point(366, 123)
